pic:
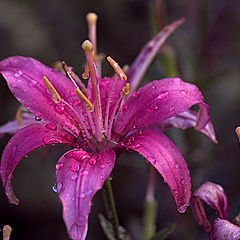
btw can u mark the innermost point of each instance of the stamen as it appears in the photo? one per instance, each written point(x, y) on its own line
point(125, 90)
point(19, 115)
point(7, 230)
point(87, 104)
point(85, 75)
point(117, 69)
point(53, 92)
point(92, 22)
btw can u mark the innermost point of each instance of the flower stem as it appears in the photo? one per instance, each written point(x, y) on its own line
point(110, 207)
point(150, 207)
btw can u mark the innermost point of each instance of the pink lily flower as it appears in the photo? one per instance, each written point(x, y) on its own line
point(214, 195)
point(99, 123)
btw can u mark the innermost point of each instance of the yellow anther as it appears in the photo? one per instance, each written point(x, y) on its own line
point(117, 69)
point(237, 131)
point(125, 90)
point(87, 46)
point(86, 103)
point(53, 92)
point(19, 115)
point(91, 18)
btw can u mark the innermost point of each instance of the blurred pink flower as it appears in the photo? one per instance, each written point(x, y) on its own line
point(98, 123)
point(215, 197)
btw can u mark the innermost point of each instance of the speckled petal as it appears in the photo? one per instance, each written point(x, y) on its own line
point(158, 101)
point(22, 143)
point(224, 230)
point(187, 120)
point(79, 175)
point(165, 157)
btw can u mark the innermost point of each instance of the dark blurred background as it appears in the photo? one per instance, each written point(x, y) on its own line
point(207, 52)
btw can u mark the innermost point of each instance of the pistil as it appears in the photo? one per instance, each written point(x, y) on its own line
point(92, 22)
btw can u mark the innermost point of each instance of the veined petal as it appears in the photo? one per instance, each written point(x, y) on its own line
point(224, 230)
point(22, 143)
point(158, 101)
point(13, 126)
point(215, 197)
point(165, 157)
point(79, 176)
point(24, 77)
point(185, 120)
point(140, 65)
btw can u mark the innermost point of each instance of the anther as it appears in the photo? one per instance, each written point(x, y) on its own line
point(87, 46)
point(86, 103)
point(7, 230)
point(53, 92)
point(125, 90)
point(91, 18)
point(117, 69)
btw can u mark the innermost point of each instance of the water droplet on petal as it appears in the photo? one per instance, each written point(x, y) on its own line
point(124, 108)
point(75, 167)
point(102, 166)
point(171, 108)
point(74, 176)
point(85, 173)
point(59, 108)
point(177, 165)
point(182, 208)
point(59, 187)
point(151, 160)
point(183, 181)
point(51, 126)
point(76, 103)
point(162, 95)
point(92, 161)
point(82, 195)
point(135, 146)
point(18, 74)
point(120, 144)
point(59, 166)
point(136, 93)
point(183, 91)
point(48, 140)
point(15, 148)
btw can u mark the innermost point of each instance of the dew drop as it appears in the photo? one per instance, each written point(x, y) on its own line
point(177, 165)
point(120, 144)
point(183, 181)
point(15, 148)
point(82, 195)
point(183, 91)
point(162, 95)
point(92, 161)
point(75, 167)
point(102, 166)
point(51, 126)
point(182, 208)
point(124, 108)
point(59, 166)
point(76, 103)
point(136, 94)
point(59, 108)
point(151, 160)
point(48, 140)
point(85, 173)
point(171, 108)
point(18, 74)
point(38, 119)
point(136, 145)
point(74, 176)
point(59, 187)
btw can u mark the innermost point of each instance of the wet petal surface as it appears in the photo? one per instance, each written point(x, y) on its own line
point(79, 175)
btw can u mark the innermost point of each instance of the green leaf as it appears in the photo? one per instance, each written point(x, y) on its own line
point(108, 229)
point(164, 233)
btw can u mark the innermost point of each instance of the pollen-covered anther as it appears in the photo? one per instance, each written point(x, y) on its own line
point(7, 230)
point(125, 90)
point(237, 131)
point(86, 103)
point(117, 69)
point(91, 18)
point(53, 92)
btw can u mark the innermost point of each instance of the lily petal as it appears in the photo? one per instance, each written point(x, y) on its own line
point(13, 126)
point(185, 120)
point(158, 101)
point(214, 195)
point(140, 65)
point(165, 157)
point(224, 230)
point(79, 176)
point(22, 143)
point(24, 77)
